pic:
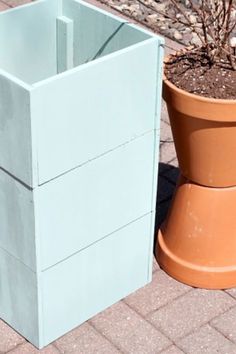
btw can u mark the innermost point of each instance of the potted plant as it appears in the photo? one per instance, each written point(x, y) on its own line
point(197, 242)
point(79, 138)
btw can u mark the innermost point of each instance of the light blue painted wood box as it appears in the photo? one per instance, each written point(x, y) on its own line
point(80, 93)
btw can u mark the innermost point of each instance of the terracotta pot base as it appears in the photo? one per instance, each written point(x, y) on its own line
point(192, 274)
point(197, 243)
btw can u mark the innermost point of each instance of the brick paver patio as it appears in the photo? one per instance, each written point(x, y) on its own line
point(165, 316)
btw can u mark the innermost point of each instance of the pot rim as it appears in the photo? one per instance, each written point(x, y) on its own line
point(193, 95)
point(198, 97)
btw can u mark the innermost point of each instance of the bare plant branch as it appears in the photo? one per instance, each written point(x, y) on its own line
point(217, 25)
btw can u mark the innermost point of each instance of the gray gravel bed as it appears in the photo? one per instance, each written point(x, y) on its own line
point(154, 14)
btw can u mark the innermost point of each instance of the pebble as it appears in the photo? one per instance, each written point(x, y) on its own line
point(193, 19)
point(163, 28)
point(195, 40)
point(160, 7)
point(135, 7)
point(178, 35)
point(233, 42)
point(123, 7)
point(152, 19)
point(187, 30)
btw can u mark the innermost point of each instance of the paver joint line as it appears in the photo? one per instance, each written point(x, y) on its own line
point(217, 330)
point(104, 336)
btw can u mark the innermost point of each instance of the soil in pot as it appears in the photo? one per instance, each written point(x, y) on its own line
point(191, 71)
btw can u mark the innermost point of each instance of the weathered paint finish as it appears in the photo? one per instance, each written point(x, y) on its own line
point(100, 275)
point(92, 110)
point(59, 106)
point(78, 163)
point(108, 193)
point(65, 44)
point(18, 297)
point(17, 228)
point(15, 129)
point(104, 34)
point(156, 147)
point(28, 41)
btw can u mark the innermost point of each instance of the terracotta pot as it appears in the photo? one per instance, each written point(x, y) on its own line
point(204, 132)
point(197, 242)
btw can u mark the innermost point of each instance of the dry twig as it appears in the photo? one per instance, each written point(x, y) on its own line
point(218, 22)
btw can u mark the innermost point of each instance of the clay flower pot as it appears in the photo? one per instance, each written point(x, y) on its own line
point(204, 131)
point(197, 242)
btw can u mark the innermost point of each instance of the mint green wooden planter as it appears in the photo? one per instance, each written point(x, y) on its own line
point(80, 94)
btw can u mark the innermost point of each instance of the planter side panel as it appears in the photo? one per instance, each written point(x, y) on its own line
point(97, 277)
point(89, 203)
point(15, 130)
point(28, 41)
point(18, 297)
point(84, 113)
point(17, 220)
point(159, 75)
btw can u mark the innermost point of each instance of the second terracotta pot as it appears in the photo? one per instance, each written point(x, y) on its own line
point(197, 242)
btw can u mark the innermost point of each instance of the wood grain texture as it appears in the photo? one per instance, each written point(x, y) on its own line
point(17, 227)
point(87, 112)
point(80, 207)
point(18, 297)
point(65, 44)
point(28, 41)
point(57, 128)
point(95, 278)
point(15, 129)
point(159, 73)
point(104, 34)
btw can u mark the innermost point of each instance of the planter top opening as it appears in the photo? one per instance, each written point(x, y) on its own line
point(47, 37)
